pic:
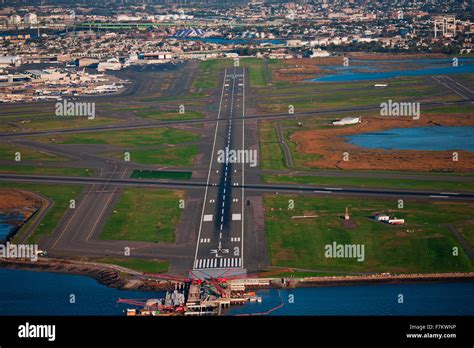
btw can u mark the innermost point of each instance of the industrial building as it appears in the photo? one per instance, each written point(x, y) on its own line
point(6, 61)
point(31, 20)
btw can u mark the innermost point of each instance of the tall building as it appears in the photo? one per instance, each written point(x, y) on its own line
point(14, 20)
point(31, 20)
point(444, 26)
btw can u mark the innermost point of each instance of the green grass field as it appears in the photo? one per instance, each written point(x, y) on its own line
point(18, 169)
point(271, 153)
point(256, 70)
point(448, 186)
point(176, 156)
point(8, 152)
point(170, 115)
point(467, 231)
point(59, 194)
point(422, 245)
point(162, 174)
point(272, 156)
point(349, 98)
point(148, 215)
point(141, 265)
point(41, 121)
point(129, 138)
point(208, 71)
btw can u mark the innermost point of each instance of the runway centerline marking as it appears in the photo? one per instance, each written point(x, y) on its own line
point(210, 164)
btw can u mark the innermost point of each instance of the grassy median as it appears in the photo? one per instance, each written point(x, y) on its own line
point(407, 184)
point(129, 138)
point(8, 153)
point(37, 170)
point(148, 215)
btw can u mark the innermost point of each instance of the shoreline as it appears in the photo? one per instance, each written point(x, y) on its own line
point(123, 278)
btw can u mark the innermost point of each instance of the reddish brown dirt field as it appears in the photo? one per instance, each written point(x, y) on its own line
point(304, 68)
point(394, 56)
point(14, 200)
point(300, 69)
point(331, 145)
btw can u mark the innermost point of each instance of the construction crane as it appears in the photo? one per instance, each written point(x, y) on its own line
point(218, 288)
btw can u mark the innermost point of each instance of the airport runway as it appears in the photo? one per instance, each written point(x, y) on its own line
point(219, 249)
point(257, 188)
point(455, 86)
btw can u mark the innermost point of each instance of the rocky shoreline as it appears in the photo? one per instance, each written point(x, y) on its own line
point(109, 275)
point(126, 279)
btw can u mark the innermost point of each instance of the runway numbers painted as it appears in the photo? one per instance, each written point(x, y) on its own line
point(236, 217)
point(234, 262)
point(208, 217)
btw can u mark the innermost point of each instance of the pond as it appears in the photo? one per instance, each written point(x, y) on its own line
point(436, 138)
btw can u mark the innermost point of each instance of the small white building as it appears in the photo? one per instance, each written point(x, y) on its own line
point(346, 121)
point(127, 18)
point(111, 64)
point(382, 217)
point(319, 53)
point(386, 218)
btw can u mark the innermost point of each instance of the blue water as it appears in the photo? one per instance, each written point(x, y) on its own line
point(8, 225)
point(426, 67)
point(436, 138)
point(382, 299)
point(42, 293)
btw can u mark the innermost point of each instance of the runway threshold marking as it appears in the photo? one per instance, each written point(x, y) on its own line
point(218, 263)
